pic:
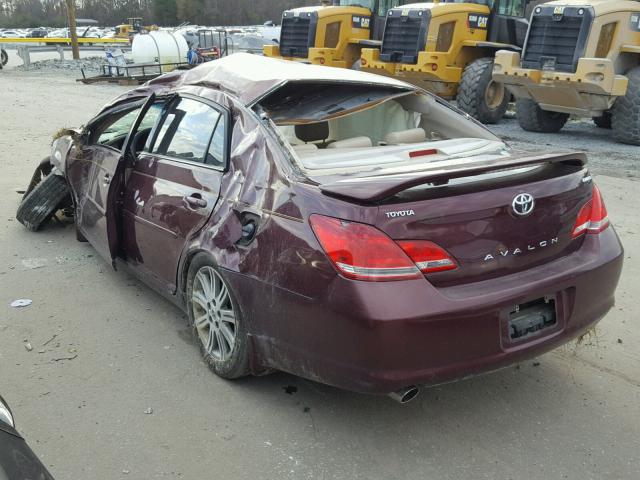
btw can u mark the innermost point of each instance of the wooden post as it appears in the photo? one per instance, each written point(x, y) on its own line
point(71, 17)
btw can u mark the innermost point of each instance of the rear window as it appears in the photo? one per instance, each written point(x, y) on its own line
point(375, 128)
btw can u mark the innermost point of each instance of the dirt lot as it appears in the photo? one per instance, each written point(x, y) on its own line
point(105, 350)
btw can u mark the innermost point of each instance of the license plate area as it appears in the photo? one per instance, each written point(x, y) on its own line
point(532, 318)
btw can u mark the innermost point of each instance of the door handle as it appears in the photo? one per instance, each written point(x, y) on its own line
point(195, 200)
point(106, 179)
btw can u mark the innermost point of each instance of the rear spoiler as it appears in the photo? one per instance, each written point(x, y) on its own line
point(380, 187)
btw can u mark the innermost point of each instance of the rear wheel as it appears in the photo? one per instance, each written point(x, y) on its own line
point(479, 95)
point(603, 121)
point(46, 198)
point(533, 119)
point(216, 319)
point(625, 114)
point(4, 57)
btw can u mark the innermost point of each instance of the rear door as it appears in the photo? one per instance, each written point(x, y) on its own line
point(95, 175)
point(173, 186)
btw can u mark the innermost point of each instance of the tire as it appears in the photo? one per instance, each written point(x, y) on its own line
point(603, 121)
point(43, 201)
point(41, 172)
point(211, 327)
point(533, 119)
point(479, 95)
point(625, 114)
point(4, 57)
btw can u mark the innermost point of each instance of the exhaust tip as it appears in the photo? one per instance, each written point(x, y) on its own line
point(405, 395)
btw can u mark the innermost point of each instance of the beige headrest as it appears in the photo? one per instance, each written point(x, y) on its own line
point(413, 135)
point(354, 142)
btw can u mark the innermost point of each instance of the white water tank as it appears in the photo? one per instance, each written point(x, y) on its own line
point(159, 46)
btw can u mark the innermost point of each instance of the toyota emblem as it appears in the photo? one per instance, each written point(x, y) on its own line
point(523, 204)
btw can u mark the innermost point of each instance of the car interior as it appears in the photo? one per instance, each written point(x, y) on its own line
point(392, 127)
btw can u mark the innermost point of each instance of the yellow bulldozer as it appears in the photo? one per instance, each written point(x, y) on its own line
point(580, 58)
point(331, 34)
point(132, 27)
point(448, 48)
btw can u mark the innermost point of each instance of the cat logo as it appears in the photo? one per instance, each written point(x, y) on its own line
point(482, 22)
point(360, 22)
point(558, 11)
point(405, 12)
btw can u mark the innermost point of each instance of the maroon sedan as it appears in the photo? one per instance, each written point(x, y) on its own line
point(345, 227)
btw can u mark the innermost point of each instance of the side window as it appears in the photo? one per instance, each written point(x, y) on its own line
point(115, 128)
point(113, 131)
point(186, 130)
point(512, 8)
point(215, 156)
point(385, 5)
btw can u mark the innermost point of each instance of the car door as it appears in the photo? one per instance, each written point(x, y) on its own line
point(173, 186)
point(95, 174)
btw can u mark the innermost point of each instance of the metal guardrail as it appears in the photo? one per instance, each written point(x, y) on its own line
point(25, 51)
point(81, 40)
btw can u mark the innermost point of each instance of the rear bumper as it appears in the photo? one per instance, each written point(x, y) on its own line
point(379, 337)
point(590, 91)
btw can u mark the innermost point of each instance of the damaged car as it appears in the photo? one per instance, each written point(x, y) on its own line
point(345, 227)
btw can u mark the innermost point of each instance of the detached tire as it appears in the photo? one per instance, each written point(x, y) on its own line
point(479, 95)
point(217, 320)
point(4, 57)
point(43, 169)
point(46, 198)
point(603, 121)
point(625, 114)
point(533, 119)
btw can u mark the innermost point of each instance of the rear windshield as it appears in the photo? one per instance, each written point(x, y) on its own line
point(342, 129)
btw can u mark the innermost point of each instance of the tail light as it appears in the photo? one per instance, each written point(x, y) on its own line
point(593, 217)
point(428, 256)
point(362, 252)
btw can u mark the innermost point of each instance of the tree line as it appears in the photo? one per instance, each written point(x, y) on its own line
point(52, 13)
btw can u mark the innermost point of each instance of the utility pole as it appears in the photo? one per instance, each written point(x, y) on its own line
point(71, 18)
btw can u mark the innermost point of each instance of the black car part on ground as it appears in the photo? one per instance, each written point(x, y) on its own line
point(43, 201)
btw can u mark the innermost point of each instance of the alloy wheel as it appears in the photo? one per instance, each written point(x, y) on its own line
point(213, 313)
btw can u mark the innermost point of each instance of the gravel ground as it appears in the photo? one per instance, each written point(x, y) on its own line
point(607, 156)
point(133, 400)
point(93, 64)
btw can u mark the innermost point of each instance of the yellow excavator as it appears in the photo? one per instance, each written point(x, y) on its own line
point(333, 33)
point(448, 48)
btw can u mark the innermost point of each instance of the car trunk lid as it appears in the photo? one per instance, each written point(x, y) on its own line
point(470, 211)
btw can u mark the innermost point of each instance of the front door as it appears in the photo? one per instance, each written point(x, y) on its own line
point(173, 186)
point(95, 175)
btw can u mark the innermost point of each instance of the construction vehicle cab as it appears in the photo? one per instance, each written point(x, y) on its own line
point(332, 34)
point(580, 58)
point(132, 27)
point(448, 48)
